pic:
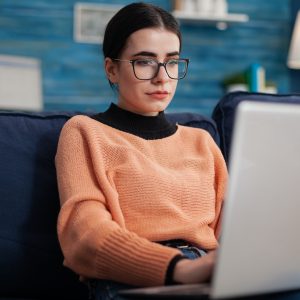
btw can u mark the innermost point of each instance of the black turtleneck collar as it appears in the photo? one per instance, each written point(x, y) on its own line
point(146, 127)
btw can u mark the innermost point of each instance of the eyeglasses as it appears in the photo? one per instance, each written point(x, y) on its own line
point(146, 69)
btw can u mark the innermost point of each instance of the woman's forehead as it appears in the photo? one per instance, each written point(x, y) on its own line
point(154, 40)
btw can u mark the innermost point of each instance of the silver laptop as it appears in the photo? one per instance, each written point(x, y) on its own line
point(260, 243)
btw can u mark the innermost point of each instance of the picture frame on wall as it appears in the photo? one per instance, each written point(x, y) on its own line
point(21, 83)
point(90, 20)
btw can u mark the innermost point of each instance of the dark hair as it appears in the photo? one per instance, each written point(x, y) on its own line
point(131, 18)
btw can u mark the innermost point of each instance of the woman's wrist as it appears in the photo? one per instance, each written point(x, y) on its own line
point(170, 271)
point(194, 271)
point(182, 271)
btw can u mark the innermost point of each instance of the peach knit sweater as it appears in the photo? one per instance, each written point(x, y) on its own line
point(120, 193)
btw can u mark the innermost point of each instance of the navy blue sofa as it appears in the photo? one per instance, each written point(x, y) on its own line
point(224, 112)
point(30, 258)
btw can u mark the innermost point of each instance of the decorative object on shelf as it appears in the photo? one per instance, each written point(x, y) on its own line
point(90, 20)
point(294, 51)
point(220, 7)
point(206, 11)
point(253, 79)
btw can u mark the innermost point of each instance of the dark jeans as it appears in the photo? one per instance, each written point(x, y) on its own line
point(108, 290)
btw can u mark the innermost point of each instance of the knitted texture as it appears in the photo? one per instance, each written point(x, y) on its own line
point(120, 193)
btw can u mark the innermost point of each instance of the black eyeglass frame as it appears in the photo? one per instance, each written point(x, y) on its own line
point(159, 64)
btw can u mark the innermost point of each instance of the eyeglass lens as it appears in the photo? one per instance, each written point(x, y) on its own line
point(148, 69)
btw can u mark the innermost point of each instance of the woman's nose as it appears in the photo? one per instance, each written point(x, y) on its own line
point(162, 75)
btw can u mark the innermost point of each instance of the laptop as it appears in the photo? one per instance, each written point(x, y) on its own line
point(259, 249)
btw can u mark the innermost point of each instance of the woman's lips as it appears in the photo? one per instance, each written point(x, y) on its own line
point(160, 95)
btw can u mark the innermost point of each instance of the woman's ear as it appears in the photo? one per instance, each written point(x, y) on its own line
point(111, 70)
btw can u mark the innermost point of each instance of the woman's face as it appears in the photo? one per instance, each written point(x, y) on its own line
point(145, 97)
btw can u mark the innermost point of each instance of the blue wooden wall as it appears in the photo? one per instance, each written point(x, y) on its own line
point(72, 72)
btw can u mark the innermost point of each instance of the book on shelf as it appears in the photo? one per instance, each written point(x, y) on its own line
point(256, 78)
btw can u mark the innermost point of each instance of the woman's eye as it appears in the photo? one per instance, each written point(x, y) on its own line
point(145, 62)
point(172, 62)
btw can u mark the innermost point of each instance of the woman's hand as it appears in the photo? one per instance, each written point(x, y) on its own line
point(195, 271)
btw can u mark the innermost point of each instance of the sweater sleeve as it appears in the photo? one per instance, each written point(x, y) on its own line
point(221, 178)
point(94, 244)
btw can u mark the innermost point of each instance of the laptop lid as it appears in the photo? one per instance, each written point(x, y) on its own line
point(260, 244)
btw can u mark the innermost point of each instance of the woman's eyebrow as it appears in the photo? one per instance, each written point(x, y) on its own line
point(145, 53)
point(173, 53)
point(151, 54)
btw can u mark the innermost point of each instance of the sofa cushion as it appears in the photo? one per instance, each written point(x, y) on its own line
point(224, 112)
point(31, 261)
point(30, 256)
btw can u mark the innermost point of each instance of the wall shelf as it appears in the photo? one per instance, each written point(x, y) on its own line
point(220, 21)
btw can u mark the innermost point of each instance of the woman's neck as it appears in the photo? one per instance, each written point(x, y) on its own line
point(147, 127)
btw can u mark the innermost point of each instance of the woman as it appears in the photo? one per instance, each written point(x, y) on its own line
point(140, 197)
